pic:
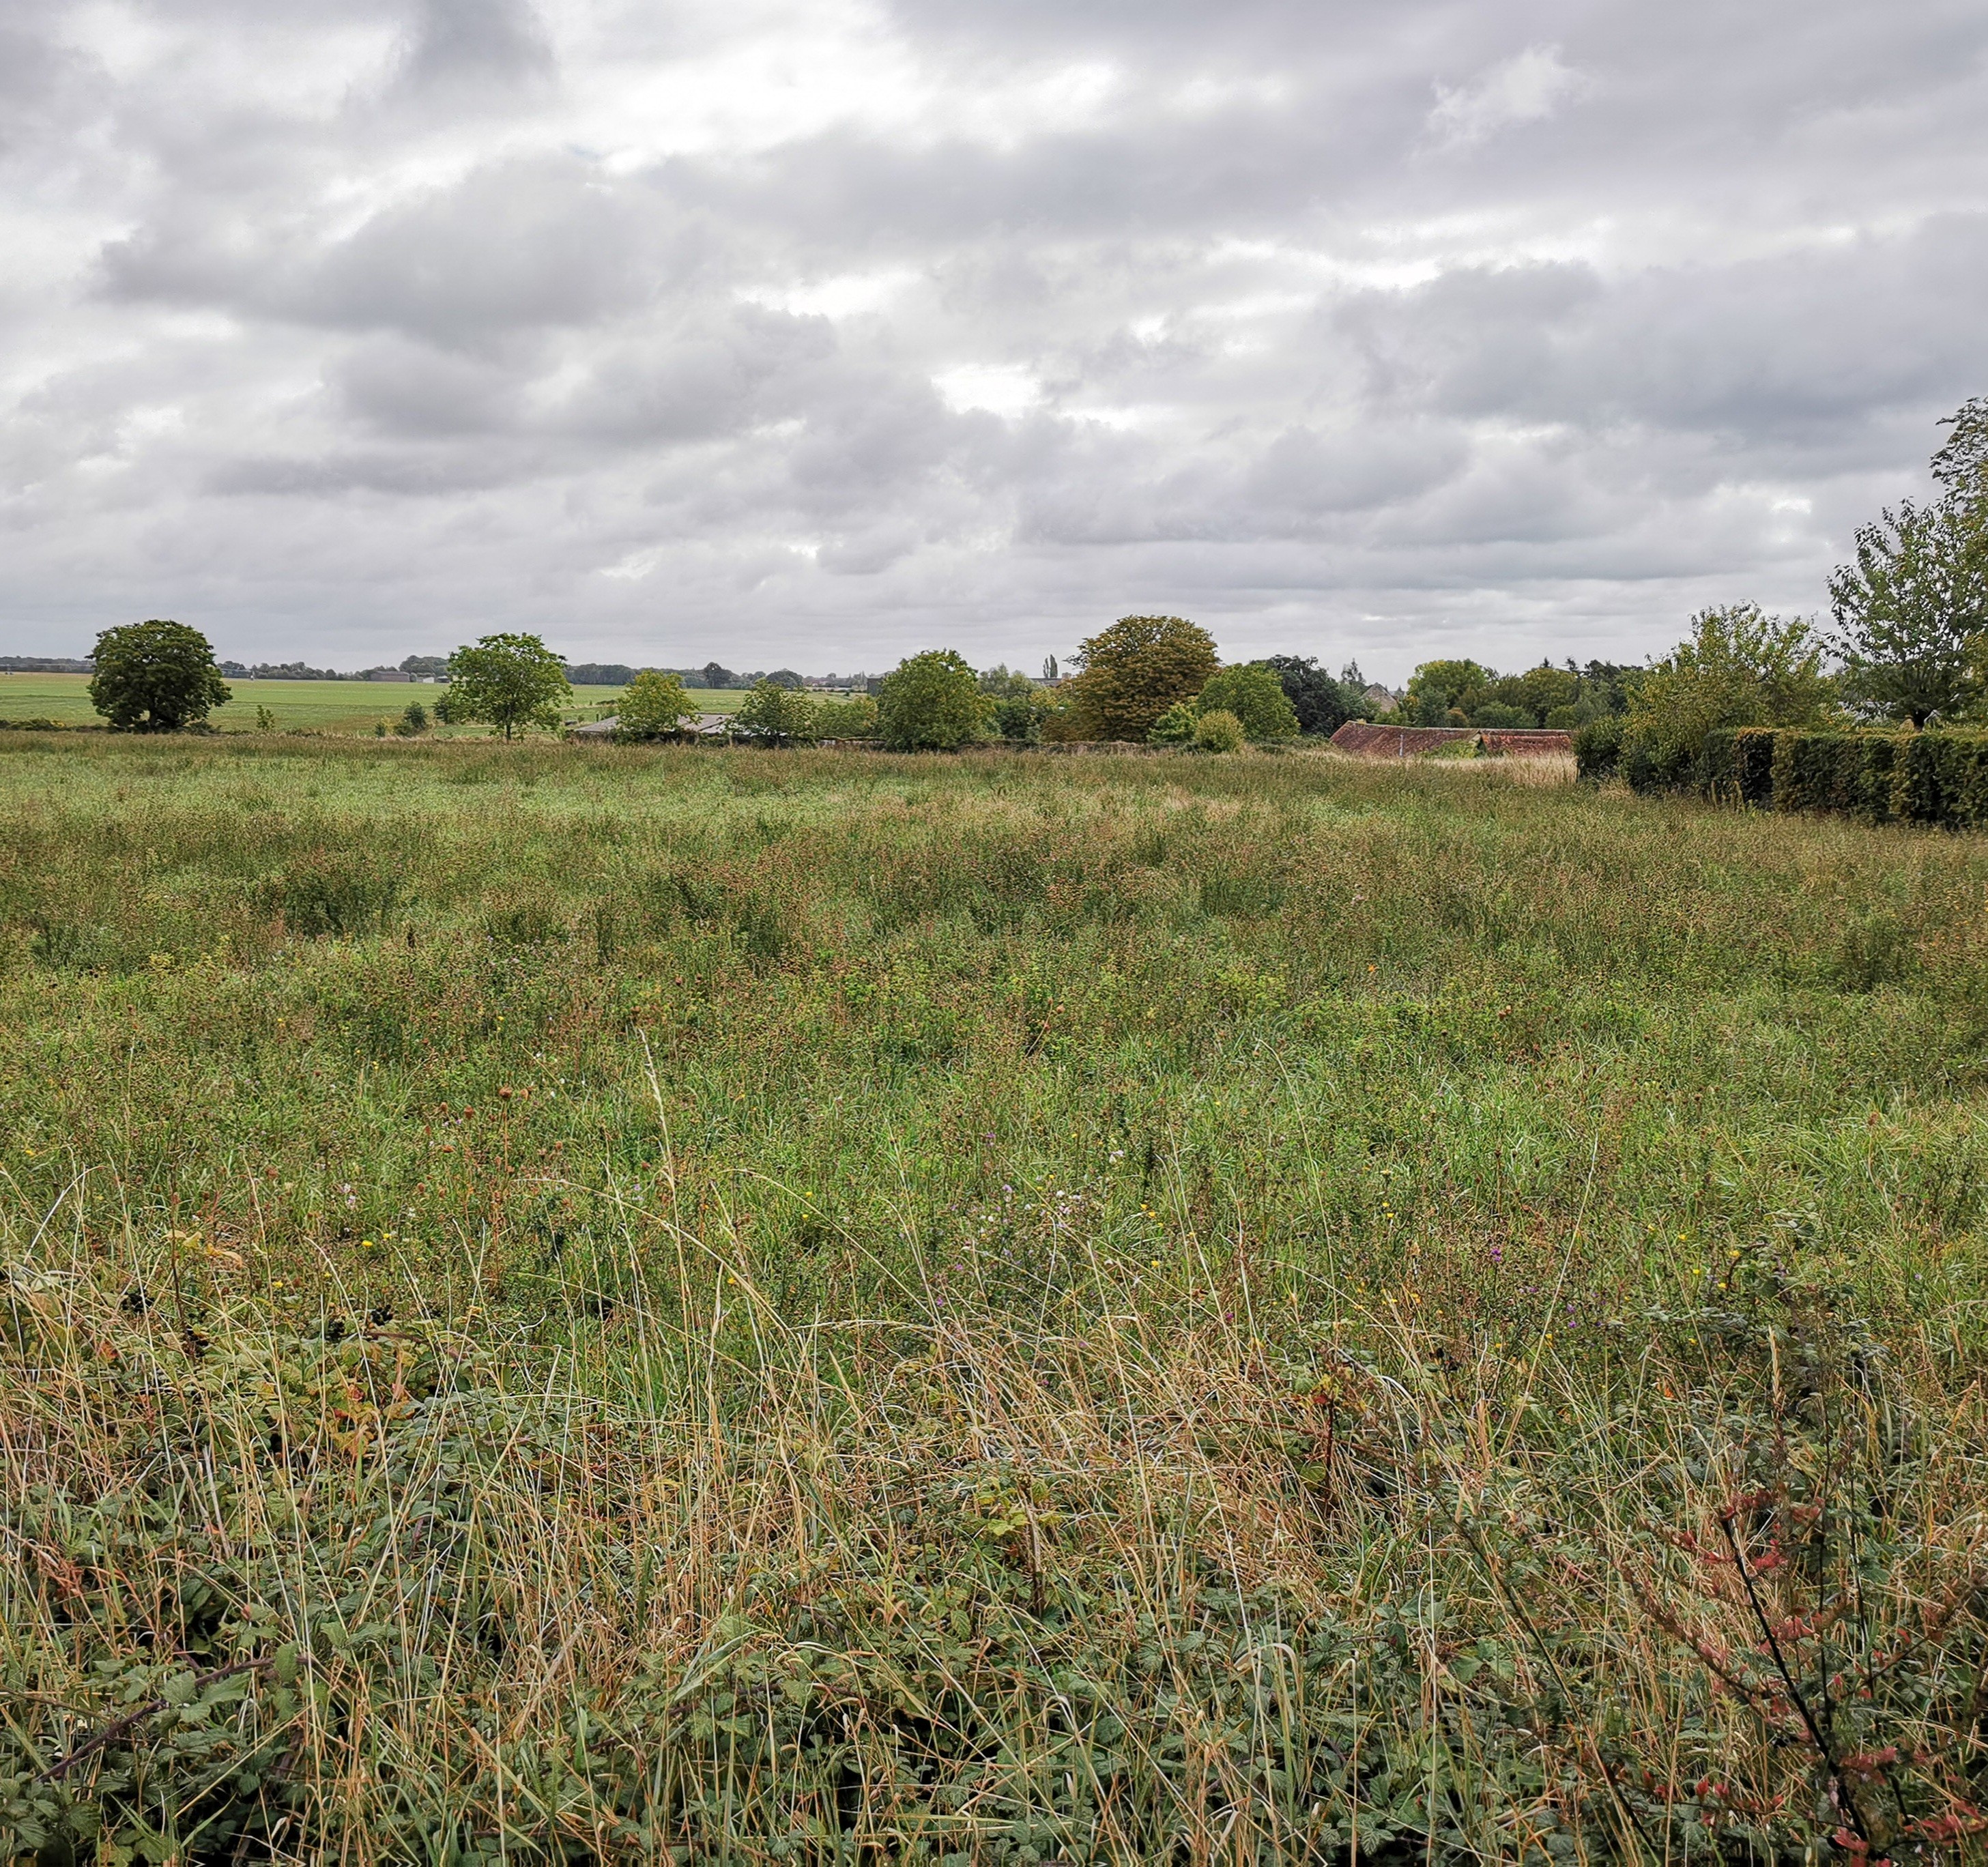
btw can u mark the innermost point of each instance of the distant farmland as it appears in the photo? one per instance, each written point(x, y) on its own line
point(329, 706)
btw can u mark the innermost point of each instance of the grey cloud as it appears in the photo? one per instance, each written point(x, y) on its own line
point(459, 45)
point(322, 325)
point(513, 244)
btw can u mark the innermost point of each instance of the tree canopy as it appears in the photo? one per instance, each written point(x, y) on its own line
point(1255, 697)
point(1321, 704)
point(155, 677)
point(779, 715)
point(1911, 612)
point(653, 705)
point(1740, 667)
point(1136, 669)
point(932, 702)
point(511, 681)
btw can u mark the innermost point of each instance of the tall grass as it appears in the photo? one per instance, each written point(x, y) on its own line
point(571, 1305)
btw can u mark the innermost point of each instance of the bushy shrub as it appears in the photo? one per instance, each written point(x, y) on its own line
point(326, 896)
point(1175, 726)
point(1220, 732)
point(1598, 748)
point(853, 719)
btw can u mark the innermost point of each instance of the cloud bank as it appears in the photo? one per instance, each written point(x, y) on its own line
point(820, 333)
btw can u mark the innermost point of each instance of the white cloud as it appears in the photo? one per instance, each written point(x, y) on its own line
point(1523, 89)
point(851, 327)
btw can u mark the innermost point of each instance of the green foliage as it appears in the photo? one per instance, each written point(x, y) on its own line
point(511, 681)
point(853, 719)
point(1175, 726)
point(1462, 693)
point(329, 894)
point(1134, 670)
point(932, 702)
point(1437, 686)
point(1219, 731)
point(1598, 748)
point(1740, 667)
point(777, 715)
point(1737, 764)
point(1912, 612)
point(1322, 704)
point(1255, 696)
point(654, 705)
point(412, 722)
point(155, 677)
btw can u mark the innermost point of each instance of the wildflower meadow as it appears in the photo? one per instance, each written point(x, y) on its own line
point(601, 1304)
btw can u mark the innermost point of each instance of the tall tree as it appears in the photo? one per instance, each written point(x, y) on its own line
point(776, 715)
point(932, 702)
point(653, 704)
point(1911, 612)
point(155, 677)
point(1136, 669)
point(1254, 695)
point(511, 681)
point(1322, 704)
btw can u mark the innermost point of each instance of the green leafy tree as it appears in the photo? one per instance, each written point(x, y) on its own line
point(1740, 667)
point(1219, 731)
point(1911, 612)
point(932, 702)
point(653, 705)
point(511, 681)
point(155, 677)
point(1255, 696)
point(853, 719)
point(1960, 466)
point(1134, 670)
point(1436, 687)
point(776, 715)
point(1322, 704)
point(414, 721)
point(1175, 726)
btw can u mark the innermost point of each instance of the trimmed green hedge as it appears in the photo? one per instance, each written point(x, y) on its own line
point(1879, 777)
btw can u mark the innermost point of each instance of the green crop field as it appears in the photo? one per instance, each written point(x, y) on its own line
point(572, 1304)
point(325, 706)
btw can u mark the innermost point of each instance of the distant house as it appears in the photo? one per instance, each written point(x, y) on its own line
point(1379, 700)
point(385, 673)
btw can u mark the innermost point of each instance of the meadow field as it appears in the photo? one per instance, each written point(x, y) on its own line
point(600, 1304)
point(323, 706)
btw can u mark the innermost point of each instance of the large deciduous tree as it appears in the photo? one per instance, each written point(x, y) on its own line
point(511, 681)
point(932, 702)
point(1255, 695)
point(1136, 669)
point(155, 677)
point(1322, 704)
point(1911, 612)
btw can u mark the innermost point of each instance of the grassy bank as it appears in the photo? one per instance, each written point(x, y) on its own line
point(575, 1304)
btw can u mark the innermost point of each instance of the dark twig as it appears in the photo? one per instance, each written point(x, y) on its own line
point(111, 1733)
point(1838, 1782)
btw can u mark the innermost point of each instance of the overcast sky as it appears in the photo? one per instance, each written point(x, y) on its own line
point(817, 332)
